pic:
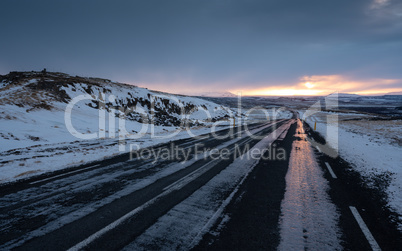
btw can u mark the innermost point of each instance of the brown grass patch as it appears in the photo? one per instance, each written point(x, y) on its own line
point(26, 173)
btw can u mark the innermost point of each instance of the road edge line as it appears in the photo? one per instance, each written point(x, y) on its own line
point(60, 175)
point(331, 171)
point(370, 238)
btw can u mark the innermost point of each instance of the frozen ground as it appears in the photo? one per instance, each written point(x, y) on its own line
point(373, 147)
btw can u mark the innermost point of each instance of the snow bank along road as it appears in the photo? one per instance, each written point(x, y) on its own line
point(303, 202)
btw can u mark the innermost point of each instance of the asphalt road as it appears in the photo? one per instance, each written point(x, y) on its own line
point(114, 203)
point(255, 215)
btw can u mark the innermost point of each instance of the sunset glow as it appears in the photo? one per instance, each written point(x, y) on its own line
point(309, 85)
point(326, 84)
point(282, 92)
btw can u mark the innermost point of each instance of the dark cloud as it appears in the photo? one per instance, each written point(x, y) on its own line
point(203, 42)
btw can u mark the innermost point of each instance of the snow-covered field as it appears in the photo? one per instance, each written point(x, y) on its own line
point(373, 147)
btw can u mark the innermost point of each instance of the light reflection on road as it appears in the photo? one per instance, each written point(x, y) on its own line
point(309, 219)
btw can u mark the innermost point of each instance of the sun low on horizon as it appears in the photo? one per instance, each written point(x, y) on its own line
point(282, 92)
point(309, 85)
point(325, 85)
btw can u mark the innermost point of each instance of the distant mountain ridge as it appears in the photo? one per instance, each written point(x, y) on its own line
point(214, 94)
point(394, 93)
point(348, 95)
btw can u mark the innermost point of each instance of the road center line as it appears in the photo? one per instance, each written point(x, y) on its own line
point(330, 170)
point(374, 245)
point(285, 132)
point(191, 176)
point(117, 222)
point(201, 170)
point(38, 181)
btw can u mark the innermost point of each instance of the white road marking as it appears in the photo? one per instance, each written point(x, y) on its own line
point(218, 212)
point(125, 217)
point(318, 148)
point(38, 181)
point(193, 175)
point(201, 170)
point(374, 245)
point(285, 132)
point(116, 223)
point(194, 141)
point(330, 170)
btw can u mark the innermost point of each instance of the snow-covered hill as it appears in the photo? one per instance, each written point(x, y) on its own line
point(34, 132)
point(33, 104)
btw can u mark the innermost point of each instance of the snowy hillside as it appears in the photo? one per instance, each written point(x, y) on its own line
point(33, 122)
point(33, 105)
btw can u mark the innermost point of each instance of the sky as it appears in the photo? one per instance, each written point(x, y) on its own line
point(256, 47)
